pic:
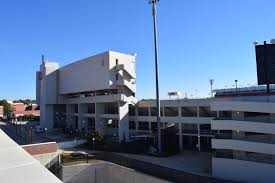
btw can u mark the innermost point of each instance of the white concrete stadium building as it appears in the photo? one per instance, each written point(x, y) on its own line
point(98, 92)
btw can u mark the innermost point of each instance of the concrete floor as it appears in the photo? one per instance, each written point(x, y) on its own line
point(193, 162)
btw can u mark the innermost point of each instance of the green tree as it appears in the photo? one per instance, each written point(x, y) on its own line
point(97, 134)
point(7, 107)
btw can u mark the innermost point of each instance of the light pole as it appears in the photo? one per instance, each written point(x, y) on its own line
point(211, 81)
point(154, 11)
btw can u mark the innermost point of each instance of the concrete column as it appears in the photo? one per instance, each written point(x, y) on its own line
point(180, 129)
point(47, 117)
point(136, 120)
point(163, 111)
point(199, 136)
point(149, 109)
point(180, 137)
point(99, 122)
point(80, 117)
point(123, 123)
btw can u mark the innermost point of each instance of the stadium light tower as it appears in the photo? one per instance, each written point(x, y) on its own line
point(154, 11)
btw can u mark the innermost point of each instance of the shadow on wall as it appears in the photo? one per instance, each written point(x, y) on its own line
point(105, 172)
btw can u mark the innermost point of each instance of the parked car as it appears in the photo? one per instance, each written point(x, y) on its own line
point(39, 129)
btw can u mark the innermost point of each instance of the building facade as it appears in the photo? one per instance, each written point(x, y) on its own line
point(237, 126)
point(92, 93)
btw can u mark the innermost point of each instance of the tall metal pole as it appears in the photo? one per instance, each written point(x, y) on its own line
point(154, 11)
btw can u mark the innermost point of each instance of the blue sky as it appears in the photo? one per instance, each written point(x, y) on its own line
point(198, 40)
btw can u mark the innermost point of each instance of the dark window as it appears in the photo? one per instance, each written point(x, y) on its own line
point(91, 123)
point(111, 108)
point(75, 108)
point(153, 111)
point(189, 111)
point(143, 125)
point(132, 125)
point(205, 112)
point(132, 111)
point(171, 111)
point(143, 111)
point(91, 108)
point(154, 126)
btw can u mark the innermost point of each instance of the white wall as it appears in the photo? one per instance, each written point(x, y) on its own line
point(85, 75)
point(246, 171)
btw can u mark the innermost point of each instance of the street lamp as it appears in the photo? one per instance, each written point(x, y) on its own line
point(93, 144)
point(154, 11)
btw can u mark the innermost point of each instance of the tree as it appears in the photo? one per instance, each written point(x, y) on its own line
point(97, 134)
point(7, 107)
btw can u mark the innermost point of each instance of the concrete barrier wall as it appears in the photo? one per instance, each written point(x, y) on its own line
point(246, 171)
point(159, 171)
point(71, 144)
point(47, 159)
point(105, 173)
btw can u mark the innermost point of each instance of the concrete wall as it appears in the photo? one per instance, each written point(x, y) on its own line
point(246, 171)
point(241, 145)
point(264, 107)
point(46, 159)
point(258, 127)
point(85, 75)
point(70, 144)
point(105, 173)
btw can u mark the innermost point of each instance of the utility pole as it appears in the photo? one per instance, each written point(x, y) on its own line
point(154, 11)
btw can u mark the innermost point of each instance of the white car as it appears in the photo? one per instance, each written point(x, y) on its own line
point(39, 129)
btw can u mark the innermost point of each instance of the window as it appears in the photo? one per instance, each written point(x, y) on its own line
point(132, 111)
point(143, 111)
point(171, 111)
point(189, 111)
point(143, 125)
point(132, 125)
point(91, 123)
